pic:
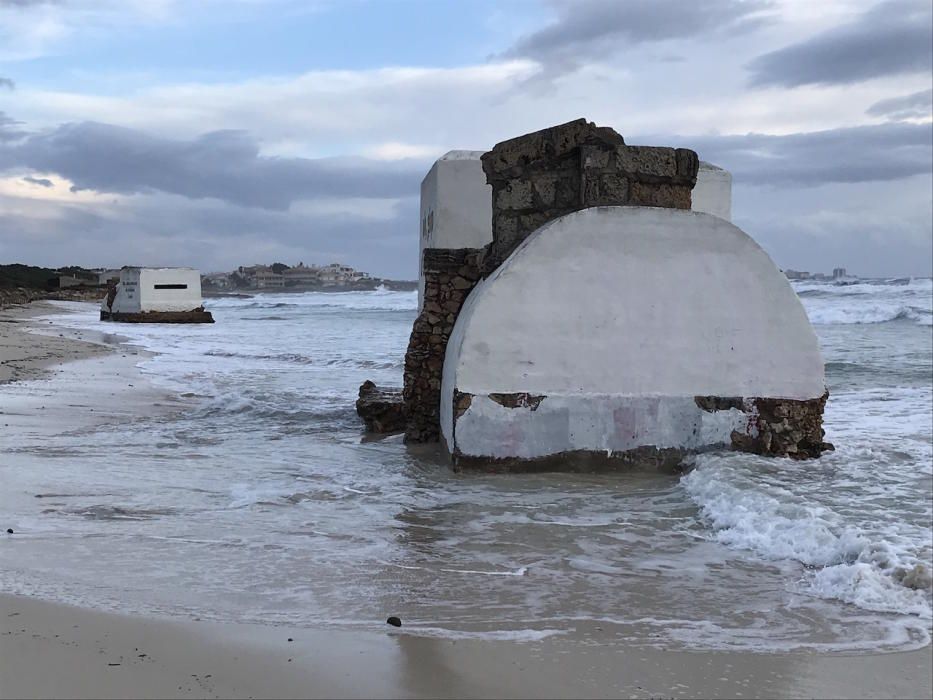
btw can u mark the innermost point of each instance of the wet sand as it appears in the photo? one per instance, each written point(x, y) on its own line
point(53, 650)
point(27, 356)
point(50, 650)
point(97, 377)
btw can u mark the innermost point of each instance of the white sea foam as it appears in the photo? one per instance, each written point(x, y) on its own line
point(518, 635)
point(520, 571)
point(875, 301)
point(842, 561)
point(835, 313)
point(380, 299)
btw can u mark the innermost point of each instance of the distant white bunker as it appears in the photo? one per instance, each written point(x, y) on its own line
point(593, 299)
point(156, 295)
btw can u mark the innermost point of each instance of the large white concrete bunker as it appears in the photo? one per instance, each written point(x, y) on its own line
point(629, 338)
point(156, 295)
point(579, 295)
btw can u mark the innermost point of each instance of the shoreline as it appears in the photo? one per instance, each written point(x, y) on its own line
point(54, 650)
point(51, 649)
point(24, 356)
point(97, 377)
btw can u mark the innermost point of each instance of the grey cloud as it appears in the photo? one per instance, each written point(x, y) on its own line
point(9, 129)
point(871, 228)
point(41, 181)
point(914, 106)
point(883, 152)
point(163, 229)
point(225, 165)
point(777, 200)
point(7, 83)
point(587, 29)
point(891, 38)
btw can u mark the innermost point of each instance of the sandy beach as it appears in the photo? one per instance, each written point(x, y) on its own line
point(24, 356)
point(49, 649)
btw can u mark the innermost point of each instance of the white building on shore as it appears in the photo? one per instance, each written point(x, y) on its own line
point(156, 295)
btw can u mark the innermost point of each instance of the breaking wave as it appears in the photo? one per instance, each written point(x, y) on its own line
point(870, 301)
point(280, 357)
point(870, 313)
point(380, 299)
point(873, 570)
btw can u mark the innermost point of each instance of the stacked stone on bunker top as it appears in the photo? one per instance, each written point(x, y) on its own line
point(541, 176)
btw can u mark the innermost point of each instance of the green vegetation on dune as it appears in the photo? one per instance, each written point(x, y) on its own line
point(32, 277)
point(29, 276)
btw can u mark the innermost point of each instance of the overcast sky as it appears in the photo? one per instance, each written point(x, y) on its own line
point(225, 132)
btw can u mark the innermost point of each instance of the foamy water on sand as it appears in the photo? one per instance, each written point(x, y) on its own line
point(259, 502)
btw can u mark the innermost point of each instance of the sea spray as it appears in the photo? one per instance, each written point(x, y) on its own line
point(841, 560)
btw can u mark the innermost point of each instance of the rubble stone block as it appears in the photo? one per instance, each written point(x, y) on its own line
point(613, 187)
point(688, 166)
point(573, 166)
point(567, 195)
point(514, 155)
point(647, 163)
point(545, 187)
point(668, 196)
point(381, 408)
point(592, 157)
point(516, 195)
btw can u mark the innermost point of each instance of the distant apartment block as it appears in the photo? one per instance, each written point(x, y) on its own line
point(217, 280)
point(839, 273)
point(301, 275)
point(264, 279)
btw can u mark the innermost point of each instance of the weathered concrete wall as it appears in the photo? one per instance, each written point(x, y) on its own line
point(541, 176)
point(456, 212)
point(156, 289)
point(128, 296)
point(456, 207)
point(170, 289)
point(619, 328)
point(713, 192)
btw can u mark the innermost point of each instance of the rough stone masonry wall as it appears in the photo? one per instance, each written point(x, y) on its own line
point(449, 276)
point(541, 176)
point(784, 428)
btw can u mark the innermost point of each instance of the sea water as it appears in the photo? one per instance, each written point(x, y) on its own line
point(260, 500)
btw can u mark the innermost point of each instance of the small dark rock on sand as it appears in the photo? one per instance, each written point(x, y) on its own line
point(394, 621)
point(9, 531)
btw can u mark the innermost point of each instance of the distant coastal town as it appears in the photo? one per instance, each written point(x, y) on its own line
point(839, 273)
point(20, 283)
point(280, 277)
